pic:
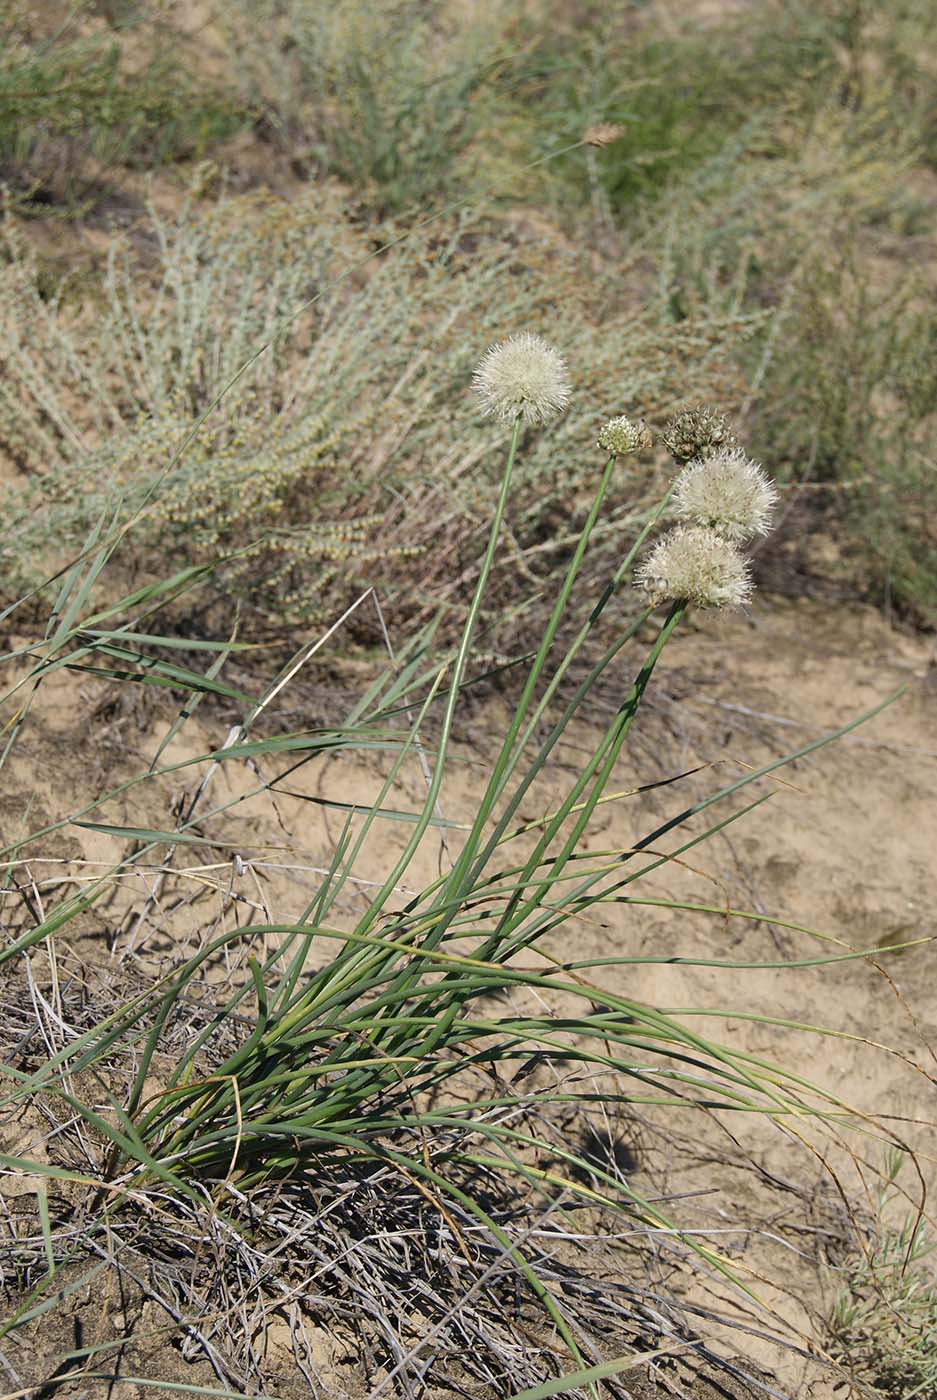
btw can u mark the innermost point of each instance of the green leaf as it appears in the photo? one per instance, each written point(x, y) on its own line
point(146, 834)
point(178, 643)
point(388, 813)
point(562, 1385)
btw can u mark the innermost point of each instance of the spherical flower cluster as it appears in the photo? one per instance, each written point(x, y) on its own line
point(696, 565)
point(620, 436)
point(728, 492)
point(695, 431)
point(522, 375)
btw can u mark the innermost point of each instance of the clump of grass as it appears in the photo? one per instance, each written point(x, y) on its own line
point(388, 98)
point(78, 99)
point(843, 397)
point(858, 364)
point(676, 94)
point(762, 169)
point(883, 1324)
point(320, 468)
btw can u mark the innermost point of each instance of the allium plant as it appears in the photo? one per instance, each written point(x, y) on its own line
point(324, 1065)
point(620, 436)
point(696, 431)
point(522, 377)
point(695, 564)
point(728, 492)
point(724, 498)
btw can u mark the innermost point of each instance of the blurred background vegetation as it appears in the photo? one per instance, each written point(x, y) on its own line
point(179, 178)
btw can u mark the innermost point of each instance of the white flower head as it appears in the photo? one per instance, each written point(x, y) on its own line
point(696, 565)
point(728, 492)
point(620, 436)
point(522, 375)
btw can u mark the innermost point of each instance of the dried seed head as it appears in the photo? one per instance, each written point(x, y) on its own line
point(620, 436)
point(522, 375)
point(728, 492)
point(695, 431)
point(697, 565)
point(603, 134)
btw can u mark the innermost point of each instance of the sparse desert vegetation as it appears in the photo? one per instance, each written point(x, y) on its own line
point(469, 482)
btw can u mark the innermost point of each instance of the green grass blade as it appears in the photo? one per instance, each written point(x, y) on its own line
point(562, 1385)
